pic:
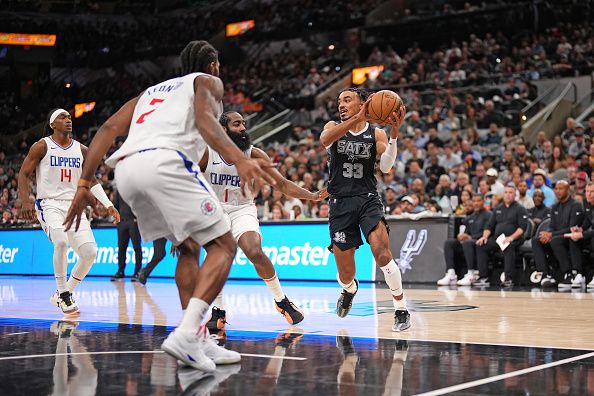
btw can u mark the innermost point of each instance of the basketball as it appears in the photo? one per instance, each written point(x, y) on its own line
point(383, 104)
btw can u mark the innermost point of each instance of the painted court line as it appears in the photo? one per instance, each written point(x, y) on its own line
point(500, 377)
point(131, 352)
point(20, 332)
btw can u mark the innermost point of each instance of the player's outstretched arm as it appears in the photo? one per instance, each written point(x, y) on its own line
point(209, 92)
point(117, 125)
point(286, 186)
point(35, 155)
point(334, 131)
point(97, 190)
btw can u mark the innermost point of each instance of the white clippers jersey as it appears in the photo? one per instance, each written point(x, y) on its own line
point(164, 118)
point(59, 170)
point(225, 181)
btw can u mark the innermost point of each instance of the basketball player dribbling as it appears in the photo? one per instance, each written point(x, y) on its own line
point(168, 127)
point(57, 161)
point(242, 212)
point(354, 202)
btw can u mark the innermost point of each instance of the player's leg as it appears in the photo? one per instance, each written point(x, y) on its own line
point(123, 240)
point(251, 244)
point(346, 238)
point(83, 243)
point(51, 216)
point(373, 225)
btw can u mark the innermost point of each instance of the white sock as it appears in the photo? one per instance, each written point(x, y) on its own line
point(275, 288)
point(218, 301)
point(351, 287)
point(399, 304)
point(393, 277)
point(87, 253)
point(194, 314)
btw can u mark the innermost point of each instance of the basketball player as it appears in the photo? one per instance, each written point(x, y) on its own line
point(168, 127)
point(242, 212)
point(57, 162)
point(354, 202)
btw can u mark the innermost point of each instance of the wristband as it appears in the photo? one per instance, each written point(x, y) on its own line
point(98, 192)
point(84, 183)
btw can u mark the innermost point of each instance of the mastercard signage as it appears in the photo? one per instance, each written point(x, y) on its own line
point(44, 40)
point(361, 74)
point(239, 28)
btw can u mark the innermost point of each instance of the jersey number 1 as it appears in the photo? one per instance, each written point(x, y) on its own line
point(65, 174)
point(153, 102)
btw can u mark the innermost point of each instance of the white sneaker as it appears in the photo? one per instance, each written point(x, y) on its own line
point(591, 284)
point(190, 349)
point(450, 278)
point(577, 281)
point(217, 353)
point(469, 277)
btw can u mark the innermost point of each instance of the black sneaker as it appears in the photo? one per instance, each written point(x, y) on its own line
point(482, 282)
point(117, 277)
point(548, 281)
point(288, 339)
point(292, 314)
point(217, 320)
point(142, 276)
point(566, 282)
point(401, 320)
point(345, 302)
point(507, 283)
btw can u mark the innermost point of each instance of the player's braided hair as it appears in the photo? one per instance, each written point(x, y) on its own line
point(224, 119)
point(197, 56)
point(47, 128)
point(361, 93)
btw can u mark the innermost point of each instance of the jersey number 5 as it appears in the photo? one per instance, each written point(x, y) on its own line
point(354, 171)
point(153, 102)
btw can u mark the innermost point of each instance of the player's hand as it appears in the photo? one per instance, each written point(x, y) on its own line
point(82, 199)
point(395, 121)
point(363, 114)
point(321, 195)
point(27, 211)
point(252, 173)
point(113, 212)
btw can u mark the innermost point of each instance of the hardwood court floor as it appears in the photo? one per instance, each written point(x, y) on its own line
point(465, 341)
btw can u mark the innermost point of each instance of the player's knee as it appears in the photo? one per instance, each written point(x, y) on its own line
point(255, 254)
point(88, 250)
point(60, 241)
point(189, 248)
point(383, 257)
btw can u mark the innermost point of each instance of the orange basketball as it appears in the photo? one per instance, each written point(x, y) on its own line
point(383, 104)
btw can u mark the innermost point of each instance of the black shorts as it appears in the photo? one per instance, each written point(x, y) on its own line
point(349, 216)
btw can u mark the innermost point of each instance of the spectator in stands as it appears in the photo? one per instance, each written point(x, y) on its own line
point(470, 231)
point(538, 183)
point(581, 180)
point(489, 115)
point(495, 186)
point(449, 159)
point(493, 138)
point(540, 211)
point(578, 146)
point(565, 214)
point(523, 199)
point(414, 172)
point(509, 219)
point(390, 201)
point(584, 235)
point(434, 139)
point(323, 211)
point(567, 136)
point(434, 172)
point(589, 131)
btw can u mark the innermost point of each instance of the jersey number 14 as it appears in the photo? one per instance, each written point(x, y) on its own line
point(65, 174)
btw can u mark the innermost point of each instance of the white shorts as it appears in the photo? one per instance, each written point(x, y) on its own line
point(243, 219)
point(170, 198)
point(51, 214)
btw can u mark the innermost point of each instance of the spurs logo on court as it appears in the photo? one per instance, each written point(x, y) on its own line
point(339, 237)
point(412, 246)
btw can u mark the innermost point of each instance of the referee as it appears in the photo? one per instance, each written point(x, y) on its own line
point(127, 229)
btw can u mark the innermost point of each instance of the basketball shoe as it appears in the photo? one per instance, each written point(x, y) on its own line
point(292, 314)
point(65, 302)
point(189, 349)
point(217, 320)
point(401, 320)
point(345, 301)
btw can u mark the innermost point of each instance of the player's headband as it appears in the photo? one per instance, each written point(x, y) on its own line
point(55, 115)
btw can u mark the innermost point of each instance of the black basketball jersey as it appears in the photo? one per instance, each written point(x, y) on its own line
point(352, 164)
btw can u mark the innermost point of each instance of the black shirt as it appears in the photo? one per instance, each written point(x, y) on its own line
point(476, 222)
point(352, 164)
point(565, 215)
point(507, 219)
point(542, 213)
point(588, 224)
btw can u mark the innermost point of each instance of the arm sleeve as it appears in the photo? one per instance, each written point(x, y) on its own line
point(389, 156)
point(98, 192)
